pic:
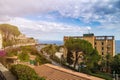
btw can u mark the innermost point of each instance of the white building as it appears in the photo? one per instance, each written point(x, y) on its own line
point(58, 54)
point(0, 41)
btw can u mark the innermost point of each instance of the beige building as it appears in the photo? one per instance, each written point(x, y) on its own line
point(103, 44)
point(22, 40)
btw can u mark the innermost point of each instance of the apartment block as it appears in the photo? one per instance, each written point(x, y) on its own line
point(104, 44)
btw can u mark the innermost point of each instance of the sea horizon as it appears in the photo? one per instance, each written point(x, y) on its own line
point(57, 42)
point(60, 42)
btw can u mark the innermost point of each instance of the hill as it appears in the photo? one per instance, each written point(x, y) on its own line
point(12, 36)
point(9, 33)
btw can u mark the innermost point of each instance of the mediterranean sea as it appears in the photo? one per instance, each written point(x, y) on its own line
point(117, 44)
point(51, 42)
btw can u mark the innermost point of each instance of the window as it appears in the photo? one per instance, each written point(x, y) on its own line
point(95, 43)
point(102, 48)
point(100, 37)
point(102, 53)
point(108, 47)
point(102, 43)
point(110, 37)
point(108, 51)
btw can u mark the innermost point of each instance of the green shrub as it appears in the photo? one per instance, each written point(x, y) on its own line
point(55, 58)
point(11, 51)
point(23, 72)
point(29, 49)
point(41, 59)
point(102, 75)
point(23, 57)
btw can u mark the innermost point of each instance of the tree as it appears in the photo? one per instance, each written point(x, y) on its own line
point(69, 57)
point(29, 49)
point(115, 65)
point(9, 32)
point(93, 59)
point(23, 72)
point(50, 49)
point(42, 59)
point(8, 29)
point(81, 49)
point(23, 56)
point(108, 62)
point(12, 51)
point(105, 63)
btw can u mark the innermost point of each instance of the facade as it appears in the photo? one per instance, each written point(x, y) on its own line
point(22, 40)
point(104, 44)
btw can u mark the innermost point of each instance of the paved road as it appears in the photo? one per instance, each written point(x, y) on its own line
point(7, 74)
point(39, 47)
point(47, 56)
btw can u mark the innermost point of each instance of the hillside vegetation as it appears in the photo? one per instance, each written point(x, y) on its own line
point(24, 72)
point(9, 33)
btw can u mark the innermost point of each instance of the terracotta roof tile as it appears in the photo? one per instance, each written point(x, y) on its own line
point(52, 72)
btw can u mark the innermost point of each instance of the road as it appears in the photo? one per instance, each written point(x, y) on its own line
point(7, 74)
point(48, 58)
point(39, 47)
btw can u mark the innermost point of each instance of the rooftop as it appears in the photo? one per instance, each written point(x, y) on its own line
point(90, 34)
point(52, 72)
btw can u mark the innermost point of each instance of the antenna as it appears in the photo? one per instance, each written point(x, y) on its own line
point(88, 28)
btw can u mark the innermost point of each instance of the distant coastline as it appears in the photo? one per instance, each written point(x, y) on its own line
point(58, 42)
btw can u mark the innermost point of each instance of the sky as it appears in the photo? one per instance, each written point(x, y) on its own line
point(53, 19)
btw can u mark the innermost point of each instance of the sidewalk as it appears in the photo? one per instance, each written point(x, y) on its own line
point(8, 75)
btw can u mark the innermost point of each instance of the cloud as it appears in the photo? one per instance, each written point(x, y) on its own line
point(42, 29)
point(111, 26)
point(108, 30)
point(106, 12)
point(87, 10)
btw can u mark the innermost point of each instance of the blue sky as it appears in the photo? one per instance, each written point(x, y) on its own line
point(53, 19)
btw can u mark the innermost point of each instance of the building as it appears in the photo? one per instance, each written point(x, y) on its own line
point(11, 60)
point(22, 40)
point(0, 41)
point(103, 44)
point(52, 72)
